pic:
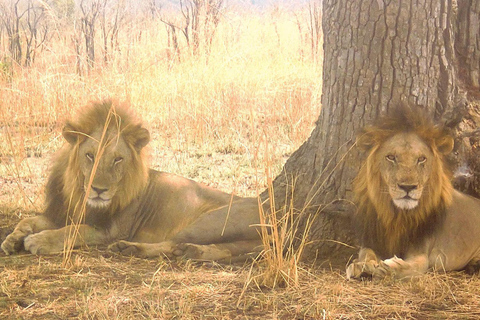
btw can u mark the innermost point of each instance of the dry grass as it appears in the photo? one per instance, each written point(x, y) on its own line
point(278, 263)
point(256, 87)
point(105, 287)
point(209, 122)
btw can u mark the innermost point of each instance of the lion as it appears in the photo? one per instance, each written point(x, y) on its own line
point(100, 184)
point(409, 217)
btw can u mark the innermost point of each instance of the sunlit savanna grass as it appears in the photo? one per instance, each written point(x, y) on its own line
point(258, 85)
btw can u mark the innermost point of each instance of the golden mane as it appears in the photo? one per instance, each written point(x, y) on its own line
point(380, 219)
point(115, 120)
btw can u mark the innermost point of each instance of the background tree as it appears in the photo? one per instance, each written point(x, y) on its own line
point(27, 29)
point(312, 37)
point(112, 19)
point(88, 13)
point(376, 54)
point(35, 29)
point(198, 23)
point(10, 16)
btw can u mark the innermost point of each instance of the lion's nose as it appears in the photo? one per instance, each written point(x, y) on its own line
point(407, 187)
point(99, 190)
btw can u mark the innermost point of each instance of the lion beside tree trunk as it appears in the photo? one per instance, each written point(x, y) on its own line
point(409, 217)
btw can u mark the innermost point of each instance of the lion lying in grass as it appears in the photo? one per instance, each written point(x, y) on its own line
point(410, 218)
point(99, 182)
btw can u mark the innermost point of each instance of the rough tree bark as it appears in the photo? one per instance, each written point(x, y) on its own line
point(376, 54)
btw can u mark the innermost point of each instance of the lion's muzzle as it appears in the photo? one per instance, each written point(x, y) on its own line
point(406, 196)
point(99, 197)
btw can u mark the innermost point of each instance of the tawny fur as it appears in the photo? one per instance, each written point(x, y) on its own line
point(100, 181)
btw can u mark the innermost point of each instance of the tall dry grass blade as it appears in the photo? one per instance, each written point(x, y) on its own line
point(278, 262)
point(79, 210)
point(228, 213)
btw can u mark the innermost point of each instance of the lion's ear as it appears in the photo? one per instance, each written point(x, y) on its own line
point(143, 138)
point(70, 133)
point(444, 144)
point(138, 137)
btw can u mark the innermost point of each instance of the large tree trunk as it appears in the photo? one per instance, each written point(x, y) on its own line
point(377, 53)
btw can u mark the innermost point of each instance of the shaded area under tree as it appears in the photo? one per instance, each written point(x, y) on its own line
point(377, 55)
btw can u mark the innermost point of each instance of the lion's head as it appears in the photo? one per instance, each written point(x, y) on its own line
point(404, 181)
point(105, 156)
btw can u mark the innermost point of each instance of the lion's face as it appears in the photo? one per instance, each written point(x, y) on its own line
point(405, 164)
point(404, 181)
point(106, 162)
point(111, 164)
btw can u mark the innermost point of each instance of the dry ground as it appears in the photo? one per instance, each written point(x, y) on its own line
point(100, 285)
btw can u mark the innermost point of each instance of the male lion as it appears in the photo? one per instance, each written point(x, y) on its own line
point(149, 213)
point(409, 216)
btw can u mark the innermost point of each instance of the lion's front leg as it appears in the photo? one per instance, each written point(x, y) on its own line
point(368, 265)
point(28, 226)
point(45, 242)
point(365, 266)
point(402, 269)
point(52, 241)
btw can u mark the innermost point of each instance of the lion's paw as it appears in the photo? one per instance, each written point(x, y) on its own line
point(382, 271)
point(14, 241)
point(44, 242)
point(12, 244)
point(201, 252)
point(401, 269)
point(361, 269)
point(125, 248)
point(395, 262)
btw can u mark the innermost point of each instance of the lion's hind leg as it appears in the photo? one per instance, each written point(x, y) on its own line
point(220, 251)
point(144, 250)
point(204, 252)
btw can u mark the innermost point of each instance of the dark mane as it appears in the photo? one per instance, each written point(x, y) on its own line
point(404, 118)
point(384, 227)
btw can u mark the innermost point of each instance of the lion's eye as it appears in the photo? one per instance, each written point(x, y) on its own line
point(90, 156)
point(421, 160)
point(391, 158)
point(117, 160)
